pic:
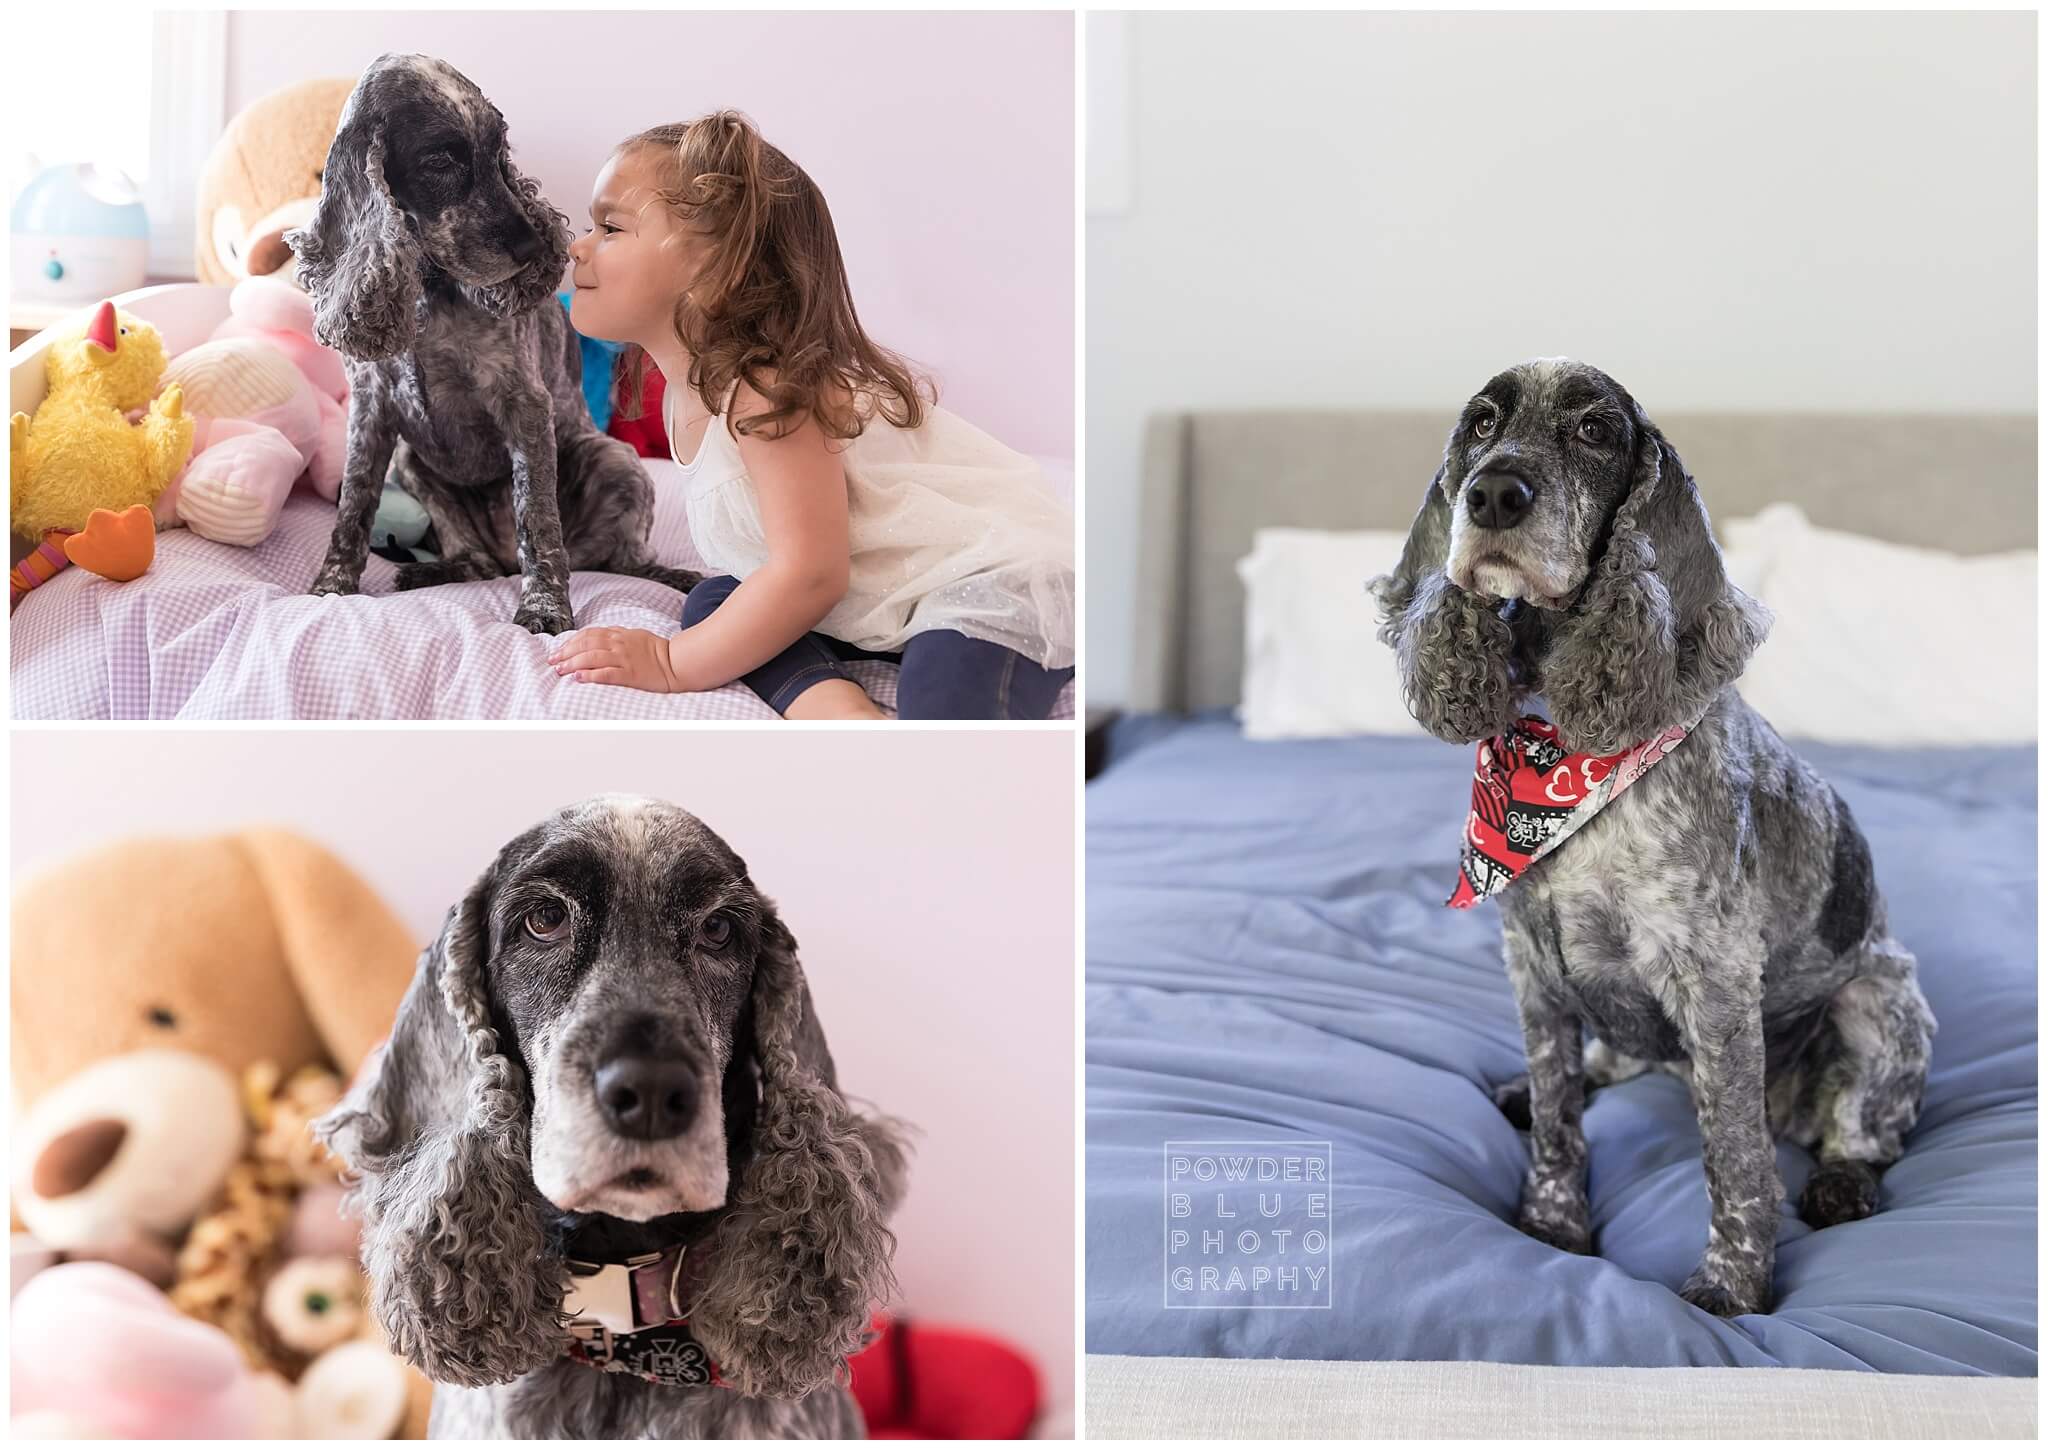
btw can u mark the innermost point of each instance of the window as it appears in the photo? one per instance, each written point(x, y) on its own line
point(146, 97)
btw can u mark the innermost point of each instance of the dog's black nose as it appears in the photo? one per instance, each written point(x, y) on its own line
point(525, 246)
point(1499, 500)
point(647, 1097)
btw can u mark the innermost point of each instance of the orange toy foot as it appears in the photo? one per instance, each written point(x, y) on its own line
point(117, 546)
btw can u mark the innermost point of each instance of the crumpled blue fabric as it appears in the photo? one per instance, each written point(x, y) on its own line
point(1269, 959)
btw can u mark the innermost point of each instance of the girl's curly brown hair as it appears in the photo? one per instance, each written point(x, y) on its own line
point(770, 306)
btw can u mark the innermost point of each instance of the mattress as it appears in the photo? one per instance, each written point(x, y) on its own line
point(1270, 963)
point(219, 632)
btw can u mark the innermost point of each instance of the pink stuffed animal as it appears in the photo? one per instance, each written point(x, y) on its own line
point(270, 404)
point(99, 1352)
point(256, 433)
point(282, 315)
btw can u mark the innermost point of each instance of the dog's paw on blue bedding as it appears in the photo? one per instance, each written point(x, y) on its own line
point(1840, 1191)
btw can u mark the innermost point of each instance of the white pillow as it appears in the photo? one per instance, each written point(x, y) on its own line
point(1313, 665)
point(1873, 642)
point(1884, 644)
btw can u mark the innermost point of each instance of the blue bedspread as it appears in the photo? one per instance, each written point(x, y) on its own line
point(1269, 961)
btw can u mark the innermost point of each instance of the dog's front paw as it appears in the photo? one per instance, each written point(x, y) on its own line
point(336, 579)
point(543, 614)
point(1840, 1191)
point(1573, 1235)
point(1717, 1296)
point(1556, 1212)
point(419, 574)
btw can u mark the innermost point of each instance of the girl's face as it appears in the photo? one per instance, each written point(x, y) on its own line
point(633, 263)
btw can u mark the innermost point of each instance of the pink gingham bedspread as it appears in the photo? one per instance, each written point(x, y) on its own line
point(219, 632)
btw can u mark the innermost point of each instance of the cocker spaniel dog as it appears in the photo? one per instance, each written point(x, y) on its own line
point(609, 1187)
point(1713, 911)
point(432, 264)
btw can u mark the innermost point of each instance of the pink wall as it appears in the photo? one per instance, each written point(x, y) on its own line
point(944, 143)
point(928, 875)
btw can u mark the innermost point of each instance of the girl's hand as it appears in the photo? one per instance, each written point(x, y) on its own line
point(607, 656)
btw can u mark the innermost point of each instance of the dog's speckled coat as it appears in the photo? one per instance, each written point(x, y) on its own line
point(432, 263)
point(1719, 918)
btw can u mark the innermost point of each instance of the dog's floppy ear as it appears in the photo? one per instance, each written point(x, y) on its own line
point(434, 1131)
point(537, 280)
point(802, 1254)
point(1453, 648)
point(357, 257)
point(1658, 630)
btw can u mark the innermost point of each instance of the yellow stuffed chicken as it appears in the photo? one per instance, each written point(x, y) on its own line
point(80, 467)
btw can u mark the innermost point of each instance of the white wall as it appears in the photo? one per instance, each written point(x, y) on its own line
point(943, 142)
point(1744, 211)
point(929, 877)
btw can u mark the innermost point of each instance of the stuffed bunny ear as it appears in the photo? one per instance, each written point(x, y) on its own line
point(434, 1132)
point(1453, 648)
point(802, 1255)
point(349, 956)
point(1658, 630)
point(356, 257)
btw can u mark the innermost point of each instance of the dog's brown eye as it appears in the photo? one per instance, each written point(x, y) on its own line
point(1593, 431)
point(547, 921)
point(1483, 425)
point(717, 929)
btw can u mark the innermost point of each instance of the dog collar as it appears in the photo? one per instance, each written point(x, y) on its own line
point(631, 1318)
point(1529, 793)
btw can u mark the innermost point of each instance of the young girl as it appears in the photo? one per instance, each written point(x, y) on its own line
point(849, 515)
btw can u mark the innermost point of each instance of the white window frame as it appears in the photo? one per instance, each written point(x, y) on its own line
point(187, 113)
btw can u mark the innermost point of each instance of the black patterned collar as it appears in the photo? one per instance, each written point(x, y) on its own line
point(632, 1317)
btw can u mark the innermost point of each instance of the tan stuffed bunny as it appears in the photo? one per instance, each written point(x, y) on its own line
point(258, 945)
point(149, 979)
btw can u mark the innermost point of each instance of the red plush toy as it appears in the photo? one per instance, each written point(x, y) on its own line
point(645, 432)
point(929, 1382)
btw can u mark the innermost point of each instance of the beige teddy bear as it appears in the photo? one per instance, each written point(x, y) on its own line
point(263, 178)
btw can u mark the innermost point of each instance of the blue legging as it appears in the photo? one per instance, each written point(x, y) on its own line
point(944, 676)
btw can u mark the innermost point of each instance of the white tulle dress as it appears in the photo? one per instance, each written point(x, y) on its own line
point(948, 529)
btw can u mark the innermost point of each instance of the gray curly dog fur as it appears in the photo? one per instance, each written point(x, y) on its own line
point(432, 263)
point(1720, 918)
point(480, 1158)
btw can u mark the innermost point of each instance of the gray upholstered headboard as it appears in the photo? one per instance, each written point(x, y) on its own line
point(1962, 483)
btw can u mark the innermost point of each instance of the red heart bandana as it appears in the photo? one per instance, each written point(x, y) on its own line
point(1529, 793)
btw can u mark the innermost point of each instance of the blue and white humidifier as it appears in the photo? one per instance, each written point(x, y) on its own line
point(79, 234)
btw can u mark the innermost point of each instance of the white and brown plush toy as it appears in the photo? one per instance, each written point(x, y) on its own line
point(259, 428)
point(263, 178)
point(150, 978)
